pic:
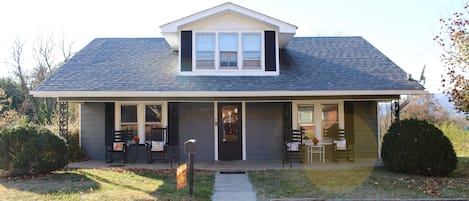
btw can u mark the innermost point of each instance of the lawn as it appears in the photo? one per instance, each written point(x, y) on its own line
point(105, 184)
point(360, 183)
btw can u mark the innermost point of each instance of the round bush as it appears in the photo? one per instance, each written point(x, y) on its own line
point(417, 147)
point(30, 150)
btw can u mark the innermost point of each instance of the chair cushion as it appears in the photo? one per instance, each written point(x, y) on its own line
point(118, 146)
point(293, 146)
point(341, 144)
point(157, 146)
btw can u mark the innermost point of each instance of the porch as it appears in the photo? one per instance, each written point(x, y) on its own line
point(246, 165)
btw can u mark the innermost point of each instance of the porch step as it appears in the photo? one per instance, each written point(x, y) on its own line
point(234, 187)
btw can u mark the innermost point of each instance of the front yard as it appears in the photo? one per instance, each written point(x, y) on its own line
point(104, 184)
point(138, 184)
point(362, 183)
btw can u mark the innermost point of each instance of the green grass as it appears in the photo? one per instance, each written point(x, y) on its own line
point(105, 184)
point(459, 137)
point(361, 183)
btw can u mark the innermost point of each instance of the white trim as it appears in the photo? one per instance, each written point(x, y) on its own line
point(240, 70)
point(140, 115)
point(141, 122)
point(378, 128)
point(149, 94)
point(318, 104)
point(215, 132)
point(117, 116)
point(243, 126)
point(169, 30)
point(227, 7)
point(79, 124)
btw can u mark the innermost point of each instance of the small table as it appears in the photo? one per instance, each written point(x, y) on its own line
point(134, 150)
point(315, 149)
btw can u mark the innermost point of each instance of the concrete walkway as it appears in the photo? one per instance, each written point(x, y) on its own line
point(233, 187)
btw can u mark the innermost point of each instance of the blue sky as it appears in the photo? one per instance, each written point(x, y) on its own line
point(401, 29)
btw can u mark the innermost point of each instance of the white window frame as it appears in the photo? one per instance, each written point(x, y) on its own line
point(214, 52)
point(141, 123)
point(317, 113)
point(261, 62)
point(239, 68)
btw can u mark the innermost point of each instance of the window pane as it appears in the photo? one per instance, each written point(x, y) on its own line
point(306, 120)
point(205, 42)
point(330, 120)
point(252, 50)
point(305, 114)
point(152, 113)
point(252, 42)
point(228, 41)
point(228, 59)
point(205, 47)
point(128, 113)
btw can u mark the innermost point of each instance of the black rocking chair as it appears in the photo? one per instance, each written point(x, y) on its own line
point(293, 147)
point(119, 146)
point(156, 146)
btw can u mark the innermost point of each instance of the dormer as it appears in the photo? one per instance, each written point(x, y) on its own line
point(228, 40)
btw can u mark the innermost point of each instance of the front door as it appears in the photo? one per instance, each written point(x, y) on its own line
point(230, 131)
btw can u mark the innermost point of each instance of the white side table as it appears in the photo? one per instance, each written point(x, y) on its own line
point(315, 149)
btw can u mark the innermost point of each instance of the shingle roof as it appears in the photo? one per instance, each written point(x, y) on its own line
point(306, 64)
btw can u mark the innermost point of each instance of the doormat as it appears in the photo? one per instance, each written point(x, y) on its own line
point(232, 172)
point(116, 165)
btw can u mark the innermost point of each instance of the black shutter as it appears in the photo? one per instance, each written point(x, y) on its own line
point(270, 58)
point(349, 125)
point(287, 120)
point(186, 51)
point(173, 123)
point(109, 122)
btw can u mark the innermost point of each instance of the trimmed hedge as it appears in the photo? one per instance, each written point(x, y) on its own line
point(30, 150)
point(418, 147)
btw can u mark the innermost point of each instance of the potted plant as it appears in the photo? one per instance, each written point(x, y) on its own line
point(315, 140)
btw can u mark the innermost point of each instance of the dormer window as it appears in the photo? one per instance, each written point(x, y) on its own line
point(228, 43)
point(251, 50)
point(228, 40)
point(228, 51)
point(205, 51)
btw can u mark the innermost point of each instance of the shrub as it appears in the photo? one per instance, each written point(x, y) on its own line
point(417, 147)
point(29, 150)
point(75, 153)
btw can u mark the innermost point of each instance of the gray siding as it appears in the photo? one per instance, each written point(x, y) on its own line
point(92, 130)
point(196, 121)
point(365, 129)
point(264, 131)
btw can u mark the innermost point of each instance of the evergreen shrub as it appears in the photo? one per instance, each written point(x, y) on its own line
point(418, 147)
point(30, 150)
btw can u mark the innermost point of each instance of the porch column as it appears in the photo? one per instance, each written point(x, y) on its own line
point(63, 119)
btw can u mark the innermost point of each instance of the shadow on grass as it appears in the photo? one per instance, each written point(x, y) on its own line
point(203, 184)
point(108, 184)
point(57, 182)
point(359, 183)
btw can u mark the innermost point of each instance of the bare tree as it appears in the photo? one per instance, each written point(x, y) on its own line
point(21, 75)
point(40, 110)
point(43, 54)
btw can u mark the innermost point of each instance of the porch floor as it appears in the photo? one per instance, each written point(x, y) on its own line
point(236, 165)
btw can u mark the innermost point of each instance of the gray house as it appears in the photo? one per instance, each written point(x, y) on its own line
point(232, 78)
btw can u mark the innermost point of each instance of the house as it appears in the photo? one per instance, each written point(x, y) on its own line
point(233, 79)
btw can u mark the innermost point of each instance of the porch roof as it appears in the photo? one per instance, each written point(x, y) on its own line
point(147, 67)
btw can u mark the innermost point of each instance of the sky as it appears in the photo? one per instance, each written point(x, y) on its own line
point(401, 29)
